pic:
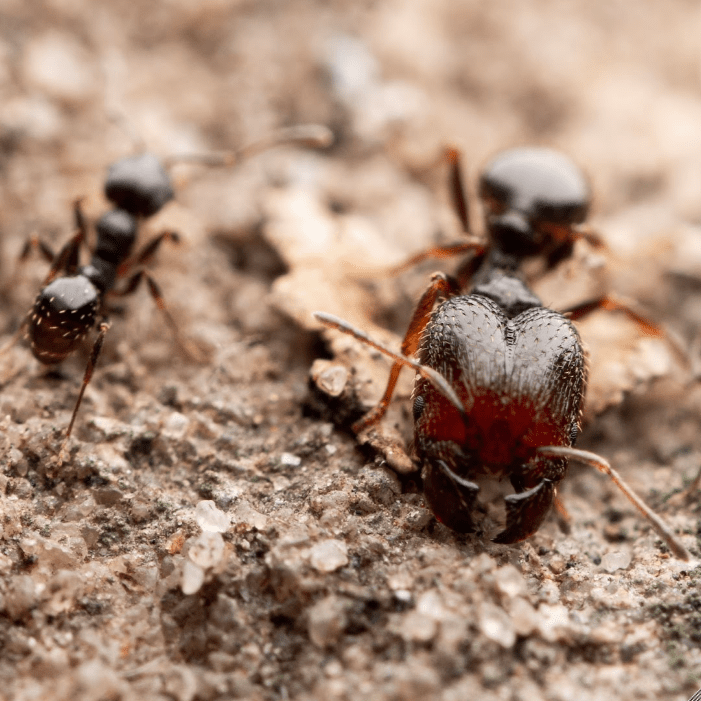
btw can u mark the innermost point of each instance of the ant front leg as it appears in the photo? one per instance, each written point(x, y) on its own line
point(441, 286)
point(92, 361)
point(461, 208)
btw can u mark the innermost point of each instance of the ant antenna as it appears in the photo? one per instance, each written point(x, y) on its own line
point(594, 460)
point(441, 384)
point(305, 135)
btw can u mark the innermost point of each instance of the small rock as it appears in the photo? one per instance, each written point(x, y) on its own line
point(192, 578)
point(206, 550)
point(431, 604)
point(79, 510)
point(246, 517)
point(209, 518)
point(496, 625)
point(509, 581)
point(557, 564)
point(524, 617)
point(329, 377)
point(417, 627)
point(290, 460)
point(554, 623)
point(141, 510)
point(21, 596)
point(63, 589)
point(327, 620)
point(329, 555)
point(176, 425)
point(616, 560)
point(48, 553)
point(108, 496)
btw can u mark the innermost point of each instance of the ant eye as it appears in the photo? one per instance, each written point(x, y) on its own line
point(418, 408)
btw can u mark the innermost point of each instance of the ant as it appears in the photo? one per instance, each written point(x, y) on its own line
point(72, 300)
point(500, 378)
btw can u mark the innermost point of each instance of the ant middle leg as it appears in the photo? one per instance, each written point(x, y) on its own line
point(154, 289)
point(460, 206)
point(646, 325)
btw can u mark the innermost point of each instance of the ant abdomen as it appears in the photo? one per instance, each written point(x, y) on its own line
point(62, 315)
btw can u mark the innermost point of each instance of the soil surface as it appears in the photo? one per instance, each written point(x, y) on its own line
point(215, 533)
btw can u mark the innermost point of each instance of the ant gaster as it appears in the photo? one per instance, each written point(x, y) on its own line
point(72, 300)
point(501, 378)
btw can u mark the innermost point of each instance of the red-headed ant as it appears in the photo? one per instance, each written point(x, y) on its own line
point(73, 297)
point(501, 378)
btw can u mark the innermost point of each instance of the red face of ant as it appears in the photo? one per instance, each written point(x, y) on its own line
point(520, 381)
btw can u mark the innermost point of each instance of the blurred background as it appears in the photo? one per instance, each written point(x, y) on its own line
point(615, 85)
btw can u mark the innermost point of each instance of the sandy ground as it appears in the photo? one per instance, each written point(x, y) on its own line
point(214, 534)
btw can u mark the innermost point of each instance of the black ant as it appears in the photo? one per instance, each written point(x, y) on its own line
point(501, 378)
point(72, 299)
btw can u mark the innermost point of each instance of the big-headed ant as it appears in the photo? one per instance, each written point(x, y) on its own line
point(73, 296)
point(501, 378)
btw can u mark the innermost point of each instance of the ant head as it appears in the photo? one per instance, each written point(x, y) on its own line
point(533, 197)
point(139, 185)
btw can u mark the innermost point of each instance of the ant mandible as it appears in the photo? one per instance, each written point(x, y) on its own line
point(500, 379)
point(72, 299)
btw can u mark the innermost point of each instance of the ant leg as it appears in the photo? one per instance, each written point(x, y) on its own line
point(662, 529)
point(441, 286)
point(460, 205)
point(17, 336)
point(457, 188)
point(146, 254)
point(64, 258)
point(32, 243)
point(646, 326)
point(94, 355)
point(35, 243)
point(447, 251)
point(132, 285)
point(67, 258)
